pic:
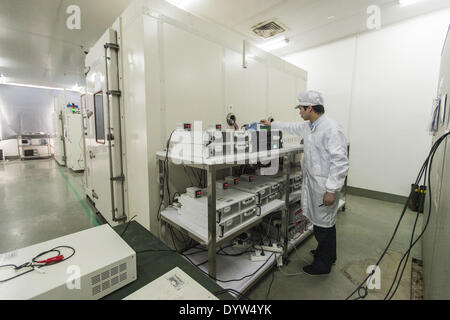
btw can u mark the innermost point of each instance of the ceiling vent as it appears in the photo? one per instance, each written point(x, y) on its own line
point(268, 29)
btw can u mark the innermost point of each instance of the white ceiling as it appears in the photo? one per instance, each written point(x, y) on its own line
point(37, 48)
point(310, 22)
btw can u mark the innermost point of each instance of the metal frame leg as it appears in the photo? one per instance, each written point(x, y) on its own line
point(285, 212)
point(212, 235)
point(161, 190)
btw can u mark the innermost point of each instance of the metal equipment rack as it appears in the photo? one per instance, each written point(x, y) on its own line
point(209, 237)
point(34, 136)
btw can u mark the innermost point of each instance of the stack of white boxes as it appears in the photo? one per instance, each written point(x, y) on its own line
point(207, 144)
point(264, 189)
point(295, 180)
point(233, 208)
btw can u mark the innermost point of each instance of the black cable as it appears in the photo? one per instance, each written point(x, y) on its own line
point(220, 252)
point(34, 264)
point(233, 254)
point(434, 149)
point(166, 166)
point(184, 240)
point(403, 259)
point(401, 262)
point(206, 273)
point(244, 277)
point(361, 286)
point(35, 259)
point(165, 178)
point(189, 177)
point(423, 170)
point(126, 227)
point(201, 263)
point(270, 286)
point(237, 293)
point(173, 241)
point(198, 176)
point(412, 244)
point(155, 250)
point(268, 228)
point(174, 195)
point(200, 250)
point(21, 274)
point(225, 281)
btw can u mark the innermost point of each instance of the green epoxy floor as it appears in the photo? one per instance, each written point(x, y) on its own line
point(37, 204)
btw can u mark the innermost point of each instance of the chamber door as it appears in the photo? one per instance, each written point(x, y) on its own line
point(85, 134)
point(105, 178)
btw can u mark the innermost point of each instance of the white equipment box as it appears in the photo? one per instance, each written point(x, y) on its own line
point(233, 208)
point(295, 181)
point(103, 259)
point(208, 144)
point(264, 189)
point(228, 203)
point(174, 285)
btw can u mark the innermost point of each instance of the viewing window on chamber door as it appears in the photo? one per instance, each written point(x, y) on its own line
point(99, 118)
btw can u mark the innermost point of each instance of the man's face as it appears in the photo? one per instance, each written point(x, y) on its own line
point(305, 113)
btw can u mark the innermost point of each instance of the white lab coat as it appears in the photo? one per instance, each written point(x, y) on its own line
point(324, 165)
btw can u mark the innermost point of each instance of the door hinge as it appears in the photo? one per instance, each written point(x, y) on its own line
point(94, 195)
point(112, 46)
point(110, 137)
point(117, 93)
point(119, 178)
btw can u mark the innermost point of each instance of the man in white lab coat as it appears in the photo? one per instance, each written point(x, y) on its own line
point(325, 166)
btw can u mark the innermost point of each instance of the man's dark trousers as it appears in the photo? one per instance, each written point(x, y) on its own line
point(326, 250)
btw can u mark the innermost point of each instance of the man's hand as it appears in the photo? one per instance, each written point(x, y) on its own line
point(266, 123)
point(328, 199)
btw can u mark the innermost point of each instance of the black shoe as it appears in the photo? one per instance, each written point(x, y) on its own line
point(312, 271)
point(313, 253)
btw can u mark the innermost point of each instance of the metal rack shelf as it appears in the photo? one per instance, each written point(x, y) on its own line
point(211, 166)
point(200, 234)
point(227, 267)
point(296, 241)
point(24, 147)
point(240, 266)
point(33, 145)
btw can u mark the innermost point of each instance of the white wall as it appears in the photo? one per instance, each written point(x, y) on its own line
point(379, 86)
point(25, 110)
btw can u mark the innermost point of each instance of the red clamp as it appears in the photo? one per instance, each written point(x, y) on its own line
point(52, 260)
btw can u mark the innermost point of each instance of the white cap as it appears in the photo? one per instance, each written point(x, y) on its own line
point(310, 98)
